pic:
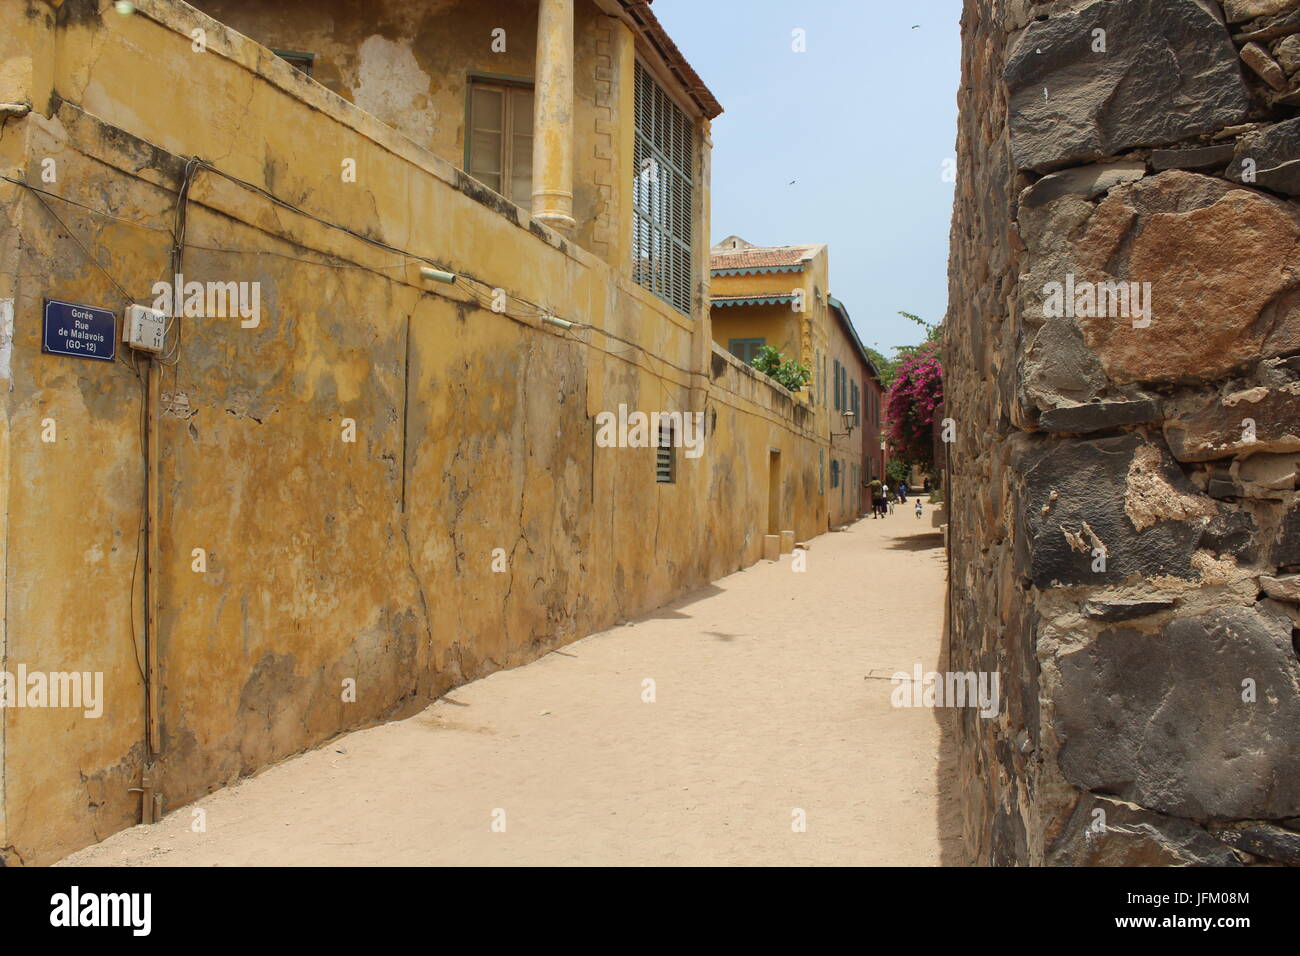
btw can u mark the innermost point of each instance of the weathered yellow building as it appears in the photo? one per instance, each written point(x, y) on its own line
point(779, 296)
point(363, 485)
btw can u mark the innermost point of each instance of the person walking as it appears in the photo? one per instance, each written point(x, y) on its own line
point(918, 507)
point(902, 492)
point(877, 497)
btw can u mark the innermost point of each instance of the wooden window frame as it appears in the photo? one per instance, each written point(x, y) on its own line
point(506, 82)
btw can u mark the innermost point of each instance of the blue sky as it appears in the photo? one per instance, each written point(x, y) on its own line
point(861, 122)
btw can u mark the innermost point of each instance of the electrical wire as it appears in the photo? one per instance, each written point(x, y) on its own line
point(484, 294)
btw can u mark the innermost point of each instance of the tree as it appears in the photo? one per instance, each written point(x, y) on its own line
point(914, 397)
point(888, 367)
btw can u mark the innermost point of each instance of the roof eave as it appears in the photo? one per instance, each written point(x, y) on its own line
point(641, 18)
point(845, 321)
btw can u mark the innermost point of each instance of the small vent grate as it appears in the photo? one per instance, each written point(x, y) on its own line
point(665, 455)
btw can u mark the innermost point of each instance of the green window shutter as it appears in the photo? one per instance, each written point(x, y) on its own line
point(665, 158)
point(745, 349)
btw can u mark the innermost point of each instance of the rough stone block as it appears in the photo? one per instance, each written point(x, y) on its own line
point(1069, 102)
point(1285, 588)
point(1264, 66)
point(1097, 416)
point(787, 542)
point(1287, 553)
point(1268, 476)
point(1206, 158)
point(1123, 610)
point(772, 547)
point(1086, 181)
point(1288, 54)
point(1125, 835)
point(1075, 503)
point(1258, 419)
point(1230, 534)
point(1275, 154)
point(1159, 720)
point(1219, 261)
point(1263, 839)
point(1238, 10)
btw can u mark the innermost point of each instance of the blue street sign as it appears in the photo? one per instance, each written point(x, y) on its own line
point(79, 330)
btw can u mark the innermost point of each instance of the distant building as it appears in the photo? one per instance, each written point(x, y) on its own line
point(778, 296)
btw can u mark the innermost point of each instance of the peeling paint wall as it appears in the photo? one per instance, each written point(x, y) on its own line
point(408, 64)
point(326, 560)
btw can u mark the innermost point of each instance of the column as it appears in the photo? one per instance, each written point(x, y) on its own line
point(553, 116)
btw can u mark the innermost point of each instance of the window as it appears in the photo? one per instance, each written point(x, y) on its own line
point(304, 62)
point(854, 405)
point(665, 454)
point(745, 349)
point(499, 138)
point(817, 371)
point(663, 206)
point(835, 472)
point(837, 386)
point(821, 471)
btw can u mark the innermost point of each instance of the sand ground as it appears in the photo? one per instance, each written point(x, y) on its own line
point(771, 696)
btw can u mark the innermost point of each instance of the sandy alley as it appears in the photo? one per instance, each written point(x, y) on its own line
point(771, 708)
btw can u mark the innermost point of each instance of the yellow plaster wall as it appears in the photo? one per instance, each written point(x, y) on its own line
point(408, 64)
point(326, 560)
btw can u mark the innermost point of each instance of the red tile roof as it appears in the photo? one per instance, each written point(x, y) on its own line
point(756, 257)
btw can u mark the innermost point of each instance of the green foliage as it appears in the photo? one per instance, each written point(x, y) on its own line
point(897, 470)
point(790, 374)
point(888, 367)
point(911, 406)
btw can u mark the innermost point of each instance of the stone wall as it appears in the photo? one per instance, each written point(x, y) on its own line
point(1123, 369)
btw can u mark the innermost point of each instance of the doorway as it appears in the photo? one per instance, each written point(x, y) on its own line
point(774, 491)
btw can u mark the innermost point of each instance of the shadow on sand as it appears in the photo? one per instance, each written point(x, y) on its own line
point(918, 542)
